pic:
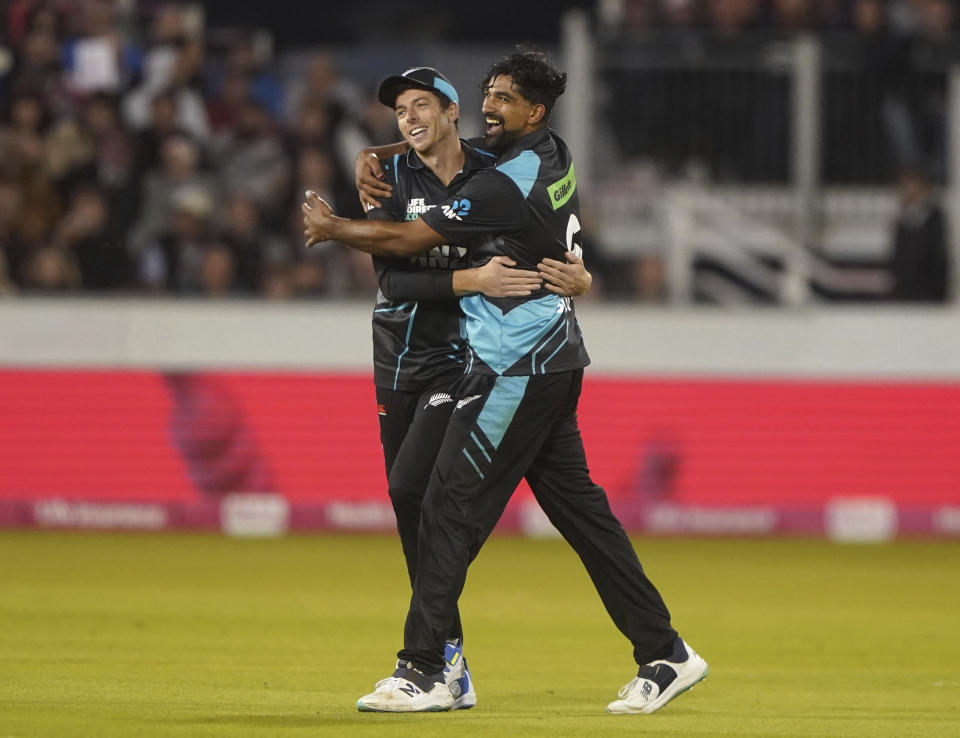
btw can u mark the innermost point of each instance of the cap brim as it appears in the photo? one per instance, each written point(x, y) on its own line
point(391, 87)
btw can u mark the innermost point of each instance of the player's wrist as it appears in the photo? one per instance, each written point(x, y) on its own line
point(465, 282)
point(456, 283)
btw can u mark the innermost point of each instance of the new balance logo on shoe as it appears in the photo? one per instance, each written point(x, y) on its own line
point(467, 401)
point(440, 398)
point(672, 676)
point(408, 690)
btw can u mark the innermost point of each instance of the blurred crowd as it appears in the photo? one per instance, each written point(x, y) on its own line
point(711, 84)
point(901, 17)
point(145, 150)
point(139, 151)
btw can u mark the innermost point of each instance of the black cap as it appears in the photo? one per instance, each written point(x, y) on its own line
point(422, 78)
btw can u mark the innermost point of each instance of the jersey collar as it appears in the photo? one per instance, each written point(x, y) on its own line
point(530, 141)
point(473, 159)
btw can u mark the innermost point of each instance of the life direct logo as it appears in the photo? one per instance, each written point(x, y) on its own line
point(457, 210)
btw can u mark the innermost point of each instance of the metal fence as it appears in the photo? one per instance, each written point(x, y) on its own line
point(760, 168)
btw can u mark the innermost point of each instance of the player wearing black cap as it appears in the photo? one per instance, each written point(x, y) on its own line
point(418, 350)
point(516, 414)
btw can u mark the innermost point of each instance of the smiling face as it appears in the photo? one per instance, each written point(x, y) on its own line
point(423, 121)
point(507, 114)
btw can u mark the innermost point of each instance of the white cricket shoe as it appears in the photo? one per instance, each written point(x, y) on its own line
point(660, 681)
point(457, 676)
point(408, 690)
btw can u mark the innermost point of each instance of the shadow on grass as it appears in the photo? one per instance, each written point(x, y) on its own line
point(295, 720)
point(285, 720)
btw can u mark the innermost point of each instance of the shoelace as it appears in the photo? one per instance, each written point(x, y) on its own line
point(625, 689)
point(388, 684)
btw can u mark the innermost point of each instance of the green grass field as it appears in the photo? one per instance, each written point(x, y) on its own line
point(195, 635)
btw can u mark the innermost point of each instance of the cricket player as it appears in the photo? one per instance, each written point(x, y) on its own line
point(419, 353)
point(516, 412)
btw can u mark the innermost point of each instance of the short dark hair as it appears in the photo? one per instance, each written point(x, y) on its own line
point(534, 76)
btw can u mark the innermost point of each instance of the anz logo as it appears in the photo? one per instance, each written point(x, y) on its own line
point(443, 257)
point(457, 210)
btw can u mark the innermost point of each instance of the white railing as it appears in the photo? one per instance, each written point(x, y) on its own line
point(799, 223)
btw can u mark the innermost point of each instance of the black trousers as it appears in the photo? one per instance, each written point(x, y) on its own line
point(505, 428)
point(412, 425)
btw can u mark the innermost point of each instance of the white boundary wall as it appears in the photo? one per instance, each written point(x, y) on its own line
point(893, 342)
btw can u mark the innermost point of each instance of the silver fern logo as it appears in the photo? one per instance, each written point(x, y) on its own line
point(438, 399)
point(466, 401)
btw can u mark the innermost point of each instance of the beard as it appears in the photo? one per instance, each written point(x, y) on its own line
point(500, 139)
point(492, 141)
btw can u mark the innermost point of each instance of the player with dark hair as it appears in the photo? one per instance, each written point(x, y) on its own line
point(516, 414)
point(418, 351)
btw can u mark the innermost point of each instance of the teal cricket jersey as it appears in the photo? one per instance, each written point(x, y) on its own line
point(527, 208)
point(417, 319)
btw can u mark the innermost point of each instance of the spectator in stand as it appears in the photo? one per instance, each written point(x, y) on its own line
point(95, 248)
point(99, 58)
point(856, 117)
point(149, 141)
point(322, 271)
point(250, 60)
point(920, 264)
point(832, 14)
point(22, 16)
point(939, 17)
point(6, 64)
point(51, 270)
point(172, 66)
point(179, 172)
point(379, 123)
point(7, 287)
point(729, 18)
point(904, 16)
point(868, 18)
point(739, 124)
point(322, 89)
point(627, 17)
point(680, 15)
point(223, 110)
point(915, 115)
point(24, 164)
point(793, 16)
point(650, 279)
point(113, 160)
point(255, 251)
point(95, 149)
point(38, 67)
point(315, 128)
point(639, 16)
point(252, 160)
point(26, 124)
point(13, 250)
point(174, 261)
point(321, 81)
point(312, 126)
point(217, 272)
